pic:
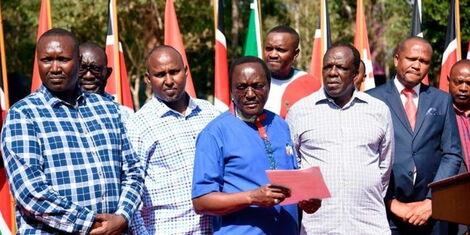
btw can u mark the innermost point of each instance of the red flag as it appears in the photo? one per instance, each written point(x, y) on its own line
point(451, 53)
point(7, 213)
point(361, 42)
point(118, 83)
point(173, 38)
point(321, 43)
point(44, 24)
point(221, 86)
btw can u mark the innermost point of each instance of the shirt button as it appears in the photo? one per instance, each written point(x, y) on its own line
point(410, 173)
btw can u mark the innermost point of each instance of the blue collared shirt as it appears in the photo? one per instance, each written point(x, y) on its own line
point(165, 141)
point(67, 163)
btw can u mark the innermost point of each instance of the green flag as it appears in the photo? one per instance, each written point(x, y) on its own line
point(253, 37)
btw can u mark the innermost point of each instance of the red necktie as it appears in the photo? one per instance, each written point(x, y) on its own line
point(410, 107)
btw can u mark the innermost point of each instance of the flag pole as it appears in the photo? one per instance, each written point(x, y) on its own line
point(117, 65)
point(457, 30)
point(4, 65)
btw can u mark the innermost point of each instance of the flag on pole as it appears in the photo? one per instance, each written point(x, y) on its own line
point(173, 38)
point(221, 86)
point(361, 42)
point(7, 214)
point(118, 83)
point(321, 43)
point(44, 24)
point(253, 45)
point(416, 29)
point(452, 46)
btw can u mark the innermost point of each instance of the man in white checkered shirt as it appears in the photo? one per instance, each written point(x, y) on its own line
point(349, 135)
point(163, 133)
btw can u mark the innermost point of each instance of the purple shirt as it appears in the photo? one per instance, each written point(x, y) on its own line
point(463, 121)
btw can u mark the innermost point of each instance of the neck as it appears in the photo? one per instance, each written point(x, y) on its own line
point(68, 96)
point(283, 75)
point(179, 105)
point(245, 118)
point(341, 101)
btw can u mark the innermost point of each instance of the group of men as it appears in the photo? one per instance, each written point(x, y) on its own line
point(78, 162)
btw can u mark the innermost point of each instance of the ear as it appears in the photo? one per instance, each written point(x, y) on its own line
point(109, 70)
point(186, 71)
point(296, 52)
point(147, 78)
point(395, 59)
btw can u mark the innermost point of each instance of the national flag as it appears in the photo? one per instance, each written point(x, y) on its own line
point(221, 81)
point(416, 29)
point(44, 24)
point(173, 38)
point(321, 43)
point(452, 52)
point(118, 83)
point(253, 45)
point(361, 42)
point(7, 214)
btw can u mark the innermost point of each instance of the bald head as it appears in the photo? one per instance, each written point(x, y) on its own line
point(403, 45)
point(164, 50)
point(459, 84)
point(58, 33)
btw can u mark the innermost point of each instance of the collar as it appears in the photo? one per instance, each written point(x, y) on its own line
point(461, 112)
point(400, 86)
point(162, 109)
point(357, 96)
point(53, 101)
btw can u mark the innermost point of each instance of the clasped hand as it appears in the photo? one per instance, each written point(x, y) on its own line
point(108, 224)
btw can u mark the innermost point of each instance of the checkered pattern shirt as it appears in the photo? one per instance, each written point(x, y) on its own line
point(165, 141)
point(67, 163)
point(353, 146)
point(125, 111)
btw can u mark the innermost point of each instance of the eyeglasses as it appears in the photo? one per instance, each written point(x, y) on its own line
point(95, 70)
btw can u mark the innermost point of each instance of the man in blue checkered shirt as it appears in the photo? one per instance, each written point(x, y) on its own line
point(163, 133)
point(69, 162)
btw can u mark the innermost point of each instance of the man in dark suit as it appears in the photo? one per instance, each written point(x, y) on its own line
point(427, 145)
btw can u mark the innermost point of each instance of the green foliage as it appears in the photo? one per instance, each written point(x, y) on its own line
point(141, 28)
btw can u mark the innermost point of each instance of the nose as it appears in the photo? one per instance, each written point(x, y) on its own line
point(55, 68)
point(88, 75)
point(169, 81)
point(416, 65)
point(250, 93)
point(273, 54)
point(333, 71)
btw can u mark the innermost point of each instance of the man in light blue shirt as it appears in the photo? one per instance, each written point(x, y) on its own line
point(163, 133)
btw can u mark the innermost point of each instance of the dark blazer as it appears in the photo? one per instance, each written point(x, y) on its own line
point(434, 147)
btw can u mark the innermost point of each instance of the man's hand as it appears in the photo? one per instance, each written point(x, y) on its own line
point(420, 212)
point(310, 206)
point(108, 224)
point(399, 209)
point(269, 195)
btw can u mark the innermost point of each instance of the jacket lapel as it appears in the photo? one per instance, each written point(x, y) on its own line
point(396, 106)
point(423, 105)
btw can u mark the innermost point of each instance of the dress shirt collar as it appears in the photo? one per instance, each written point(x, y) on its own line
point(461, 112)
point(162, 109)
point(54, 101)
point(400, 86)
point(357, 96)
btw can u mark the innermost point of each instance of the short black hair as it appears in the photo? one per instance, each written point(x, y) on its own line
point(249, 59)
point(286, 29)
point(62, 33)
point(401, 45)
point(161, 47)
point(355, 52)
point(92, 45)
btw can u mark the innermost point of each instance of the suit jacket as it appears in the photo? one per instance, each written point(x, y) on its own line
point(434, 147)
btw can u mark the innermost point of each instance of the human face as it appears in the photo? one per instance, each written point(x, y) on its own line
point(250, 88)
point(280, 52)
point(412, 62)
point(338, 74)
point(93, 72)
point(459, 86)
point(166, 74)
point(58, 64)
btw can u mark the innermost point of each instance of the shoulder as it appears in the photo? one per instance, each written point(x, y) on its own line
point(375, 104)
point(379, 91)
point(307, 102)
point(206, 106)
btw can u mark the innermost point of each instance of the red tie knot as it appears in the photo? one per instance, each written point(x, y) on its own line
point(408, 92)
